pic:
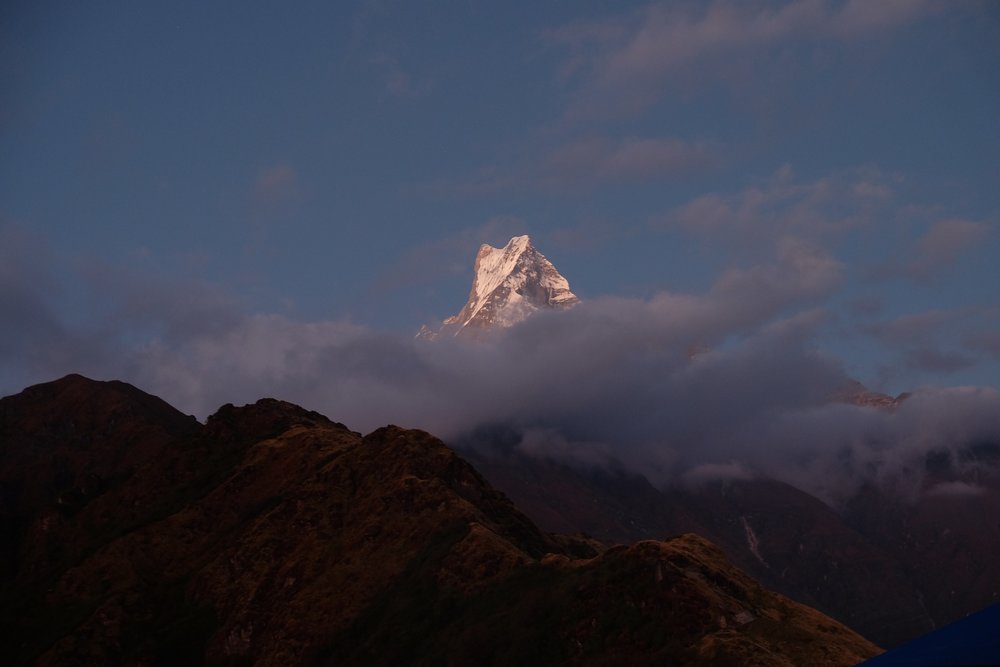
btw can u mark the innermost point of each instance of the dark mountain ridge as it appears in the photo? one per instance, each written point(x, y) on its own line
point(273, 535)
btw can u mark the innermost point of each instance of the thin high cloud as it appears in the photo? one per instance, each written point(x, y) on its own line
point(587, 162)
point(598, 160)
point(939, 249)
point(987, 341)
point(785, 204)
point(275, 183)
point(624, 63)
point(398, 82)
point(938, 340)
point(375, 49)
point(432, 260)
point(32, 334)
point(612, 380)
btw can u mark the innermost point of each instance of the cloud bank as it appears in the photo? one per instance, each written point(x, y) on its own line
point(677, 387)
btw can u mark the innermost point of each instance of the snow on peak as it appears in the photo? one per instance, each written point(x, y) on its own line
point(510, 284)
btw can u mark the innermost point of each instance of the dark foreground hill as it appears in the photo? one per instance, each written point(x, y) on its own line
point(270, 535)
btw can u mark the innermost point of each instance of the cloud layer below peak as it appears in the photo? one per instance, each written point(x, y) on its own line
point(678, 387)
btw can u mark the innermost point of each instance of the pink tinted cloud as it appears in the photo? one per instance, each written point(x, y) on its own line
point(985, 341)
point(919, 327)
point(945, 242)
point(628, 58)
point(275, 183)
point(940, 248)
point(397, 81)
point(939, 340)
point(785, 205)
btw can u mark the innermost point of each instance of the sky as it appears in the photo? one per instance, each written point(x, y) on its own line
point(221, 201)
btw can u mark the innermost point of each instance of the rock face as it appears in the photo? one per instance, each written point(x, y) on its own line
point(272, 535)
point(511, 283)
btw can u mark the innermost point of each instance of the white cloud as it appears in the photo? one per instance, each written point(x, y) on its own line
point(610, 380)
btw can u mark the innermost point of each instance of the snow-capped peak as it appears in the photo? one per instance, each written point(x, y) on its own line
point(510, 284)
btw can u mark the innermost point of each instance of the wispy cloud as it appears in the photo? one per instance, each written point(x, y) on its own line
point(32, 335)
point(589, 162)
point(623, 63)
point(397, 81)
point(446, 256)
point(376, 49)
point(937, 340)
point(956, 489)
point(784, 204)
point(275, 183)
point(987, 341)
point(940, 248)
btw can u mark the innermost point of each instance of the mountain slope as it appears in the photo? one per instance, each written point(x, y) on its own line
point(888, 567)
point(510, 284)
point(273, 535)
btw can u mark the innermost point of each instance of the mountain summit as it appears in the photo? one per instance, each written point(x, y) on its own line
point(511, 283)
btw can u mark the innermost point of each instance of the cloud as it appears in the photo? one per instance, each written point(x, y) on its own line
point(938, 249)
point(485, 180)
point(587, 162)
point(551, 444)
point(937, 340)
point(610, 382)
point(916, 328)
point(31, 333)
point(625, 62)
point(803, 271)
point(956, 489)
point(373, 46)
point(710, 472)
point(867, 305)
point(398, 82)
point(275, 183)
point(937, 360)
point(148, 303)
point(598, 160)
point(449, 256)
point(860, 16)
point(987, 341)
point(784, 205)
point(590, 234)
point(850, 446)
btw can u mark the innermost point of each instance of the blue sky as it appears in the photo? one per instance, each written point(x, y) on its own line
point(171, 172)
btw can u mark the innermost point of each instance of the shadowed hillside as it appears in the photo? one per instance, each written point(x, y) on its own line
point(272, 535)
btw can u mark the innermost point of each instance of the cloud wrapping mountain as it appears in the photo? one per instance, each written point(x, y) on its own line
point(675, 386)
